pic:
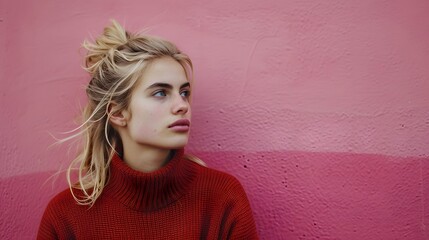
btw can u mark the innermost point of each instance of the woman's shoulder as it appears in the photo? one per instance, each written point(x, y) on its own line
point(61, 197)
point(60, 214)
point(219, 181)
point(65, 195)
point(63, 201)
point(216, 174)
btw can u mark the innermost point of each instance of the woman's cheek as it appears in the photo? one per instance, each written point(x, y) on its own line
point(147, 127)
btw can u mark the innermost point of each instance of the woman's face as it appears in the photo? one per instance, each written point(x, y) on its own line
point(160, 98)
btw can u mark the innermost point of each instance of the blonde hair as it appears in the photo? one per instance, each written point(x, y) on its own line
point(115, 62)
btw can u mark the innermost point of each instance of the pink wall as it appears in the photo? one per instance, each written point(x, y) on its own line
point(320, 108)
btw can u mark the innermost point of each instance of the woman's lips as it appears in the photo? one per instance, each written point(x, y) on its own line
point(180, 128)
point(181, 125)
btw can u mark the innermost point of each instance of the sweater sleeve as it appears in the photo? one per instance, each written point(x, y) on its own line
point(56, 222)
point(46, 228)
point(241, 222)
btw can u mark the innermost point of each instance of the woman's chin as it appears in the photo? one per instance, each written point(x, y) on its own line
point(178, 144)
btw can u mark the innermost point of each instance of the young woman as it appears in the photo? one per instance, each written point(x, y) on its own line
point(134, 180)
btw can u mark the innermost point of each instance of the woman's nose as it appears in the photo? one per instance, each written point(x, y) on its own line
point(180, 105)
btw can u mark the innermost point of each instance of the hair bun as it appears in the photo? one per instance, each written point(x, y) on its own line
point(113, 36)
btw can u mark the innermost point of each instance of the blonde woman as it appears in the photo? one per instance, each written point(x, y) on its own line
point(134, 180)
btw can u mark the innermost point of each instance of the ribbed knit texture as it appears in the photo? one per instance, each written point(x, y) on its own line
point(182, 200)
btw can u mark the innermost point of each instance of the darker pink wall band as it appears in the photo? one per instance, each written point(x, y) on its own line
point(294, 195)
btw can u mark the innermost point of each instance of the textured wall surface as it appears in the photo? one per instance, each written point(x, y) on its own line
point(320, 108)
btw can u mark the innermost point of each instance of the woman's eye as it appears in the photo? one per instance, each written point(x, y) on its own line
point(185, 93)
point(160, 94)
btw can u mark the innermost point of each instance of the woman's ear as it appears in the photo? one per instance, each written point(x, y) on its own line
point(116, 117)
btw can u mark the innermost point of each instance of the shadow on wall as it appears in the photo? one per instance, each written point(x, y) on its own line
point(294, 195)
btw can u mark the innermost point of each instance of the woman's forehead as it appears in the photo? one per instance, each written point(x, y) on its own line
point(164, 70)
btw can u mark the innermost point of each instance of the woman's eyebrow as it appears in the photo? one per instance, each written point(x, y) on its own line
point(187, 84)
point(168, 86)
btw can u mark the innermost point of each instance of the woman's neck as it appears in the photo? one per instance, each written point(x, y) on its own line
point(146, 159)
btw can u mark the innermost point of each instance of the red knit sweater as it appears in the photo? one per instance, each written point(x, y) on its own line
point(182, 200)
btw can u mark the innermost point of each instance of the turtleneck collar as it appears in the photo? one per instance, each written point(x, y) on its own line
point(150, 191)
